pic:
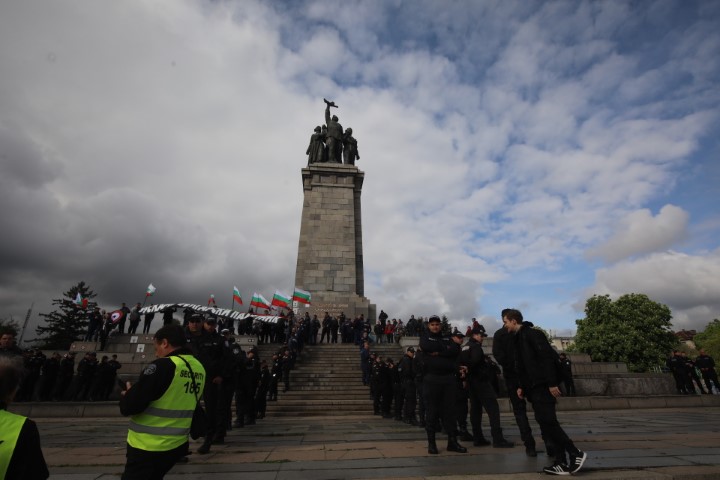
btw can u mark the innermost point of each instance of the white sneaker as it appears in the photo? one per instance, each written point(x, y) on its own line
point(576, 462)
point(557, 469)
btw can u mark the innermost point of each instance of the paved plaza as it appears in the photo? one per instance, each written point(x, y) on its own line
point(624, 444)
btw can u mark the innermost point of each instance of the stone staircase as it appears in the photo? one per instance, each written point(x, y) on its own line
point(328, 382)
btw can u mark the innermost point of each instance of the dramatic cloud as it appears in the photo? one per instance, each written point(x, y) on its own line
point(502, 142)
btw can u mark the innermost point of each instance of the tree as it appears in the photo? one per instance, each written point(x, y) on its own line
point(445, 328)
point(9, 326)
point(633, 329)
point(65, 326)
point(709, 339)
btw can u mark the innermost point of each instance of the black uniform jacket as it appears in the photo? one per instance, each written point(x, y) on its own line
point(444, 363)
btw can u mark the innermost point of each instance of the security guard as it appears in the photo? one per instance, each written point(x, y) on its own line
point(440, 355)
point(20, 455)
point(161, 407)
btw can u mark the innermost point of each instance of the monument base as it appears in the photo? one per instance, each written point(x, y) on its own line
point(335, 303)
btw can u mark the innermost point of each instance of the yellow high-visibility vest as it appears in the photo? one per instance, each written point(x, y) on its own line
point(10, 426)
point(165, 423)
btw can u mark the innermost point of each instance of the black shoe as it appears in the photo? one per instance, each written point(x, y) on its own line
point(465, 435)
point(454, 446)
point(502, 443)
point(557, 469)
point(204, 448)
point(432, 448)
point(481, 442)
point(530, 451)
point(577, 461)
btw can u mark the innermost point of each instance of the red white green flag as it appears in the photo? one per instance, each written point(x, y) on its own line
point(280, 300)
point(80, 301)
point(150, 290)
point(211, 300)
point(258, 301)
point(301, 296)
point(236, 296)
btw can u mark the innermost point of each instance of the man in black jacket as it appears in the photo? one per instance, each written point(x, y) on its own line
point(440, 355)
point(536, 361)
point(503, 350)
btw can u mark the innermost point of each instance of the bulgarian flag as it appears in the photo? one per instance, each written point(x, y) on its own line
point(80, 301)
point(301, 296)
point(211, 300)
point(236, 296)
point(150, 290)
point(280, 300)
point(258, 301)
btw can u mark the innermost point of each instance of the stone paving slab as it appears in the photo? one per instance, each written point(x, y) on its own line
point(658, 444)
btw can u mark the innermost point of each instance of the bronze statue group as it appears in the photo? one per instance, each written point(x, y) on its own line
point(330, 144)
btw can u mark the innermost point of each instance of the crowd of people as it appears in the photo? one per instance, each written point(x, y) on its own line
point(436, 385)
point(687, 373)
point(57, 377)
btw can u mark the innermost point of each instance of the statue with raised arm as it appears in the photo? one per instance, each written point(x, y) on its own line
point(334, 138)
point(316, 149)
point(350, 148)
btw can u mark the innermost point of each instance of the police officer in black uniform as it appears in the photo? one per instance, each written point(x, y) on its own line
point(407, 382)
point(419, 371)
point(482, 394)
point(440, 355)
point(207, 346)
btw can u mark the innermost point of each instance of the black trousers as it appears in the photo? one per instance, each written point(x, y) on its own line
point(439, 392)
point(216, 410)
point(410, 399)
point(420, 389)
point(145, 465)
point(543, 404)
point(482, 396)
point(461, 407)
point(519, 407)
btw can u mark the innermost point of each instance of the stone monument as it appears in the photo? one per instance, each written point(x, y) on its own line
point(330, 256)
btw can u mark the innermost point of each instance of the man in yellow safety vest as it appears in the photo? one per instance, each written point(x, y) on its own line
point(161, 406)
point(20, 455)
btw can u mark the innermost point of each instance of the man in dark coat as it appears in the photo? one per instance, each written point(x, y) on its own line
point(537, 367)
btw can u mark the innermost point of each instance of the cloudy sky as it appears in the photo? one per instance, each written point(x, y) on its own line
point(525, 154)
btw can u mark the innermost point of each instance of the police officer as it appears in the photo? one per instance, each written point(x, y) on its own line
point(377, 377)
point(407, 382)
point(706, 364)
point(482, 394)
point(440, 356)
point(419, 370)
point(275, 373)
point(21, 457)
point(207, 346)
point(161, 406)
point(567, 376)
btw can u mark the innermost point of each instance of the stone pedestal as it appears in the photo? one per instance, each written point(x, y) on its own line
point(330, 257)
